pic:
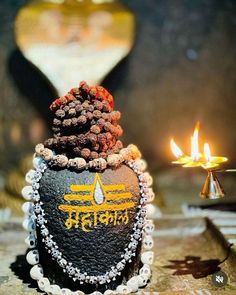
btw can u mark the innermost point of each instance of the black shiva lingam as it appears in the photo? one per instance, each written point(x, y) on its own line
point(87, 202)
point(212, 188)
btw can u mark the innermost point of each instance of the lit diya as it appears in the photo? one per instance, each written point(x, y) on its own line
point(212, 188)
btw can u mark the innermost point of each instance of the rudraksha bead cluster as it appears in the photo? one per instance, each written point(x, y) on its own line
point(85, 124)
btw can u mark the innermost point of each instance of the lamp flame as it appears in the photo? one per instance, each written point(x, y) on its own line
point(207, 152)
point(212, 188)
point(194, 144)
point(175, 149)
point(196, 159)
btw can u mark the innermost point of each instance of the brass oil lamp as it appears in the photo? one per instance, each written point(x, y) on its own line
point(212, 188)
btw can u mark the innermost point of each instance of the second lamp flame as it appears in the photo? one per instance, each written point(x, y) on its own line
point(207, 152)
point(175, 149)
point(194, 144)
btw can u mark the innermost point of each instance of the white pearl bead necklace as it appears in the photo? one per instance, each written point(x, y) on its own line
point(32, 256)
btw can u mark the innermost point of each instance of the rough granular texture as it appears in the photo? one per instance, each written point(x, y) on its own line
point(85, 124)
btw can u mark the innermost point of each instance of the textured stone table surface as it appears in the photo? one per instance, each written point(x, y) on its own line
point(187, 252)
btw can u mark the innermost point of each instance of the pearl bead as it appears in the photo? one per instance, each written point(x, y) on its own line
point(36, 272)
point(148, 178)
point(53, 290)
point(147, 257)
point(29, 224)
point(148, 242)
point(78, 293)
point(149, 227)
point(151, 210)
point(27, 192)
point(122, 289)
point(43, 283)
point(140, 164)
point(150, 195)
point(96, 293)
point(31, 241)
point(145, 270)
point(110, 292)
point(66, 291)
point(142, 280)
point(28, 208)
point(32, 257)
point(37, 161)
point(133, 284)
point(29, 177)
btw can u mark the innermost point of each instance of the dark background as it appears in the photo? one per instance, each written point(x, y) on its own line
point(181, 69)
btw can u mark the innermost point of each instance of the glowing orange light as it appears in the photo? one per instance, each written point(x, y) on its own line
point(175, 149)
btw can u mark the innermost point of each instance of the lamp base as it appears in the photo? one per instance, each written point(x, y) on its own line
point(212, 188)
